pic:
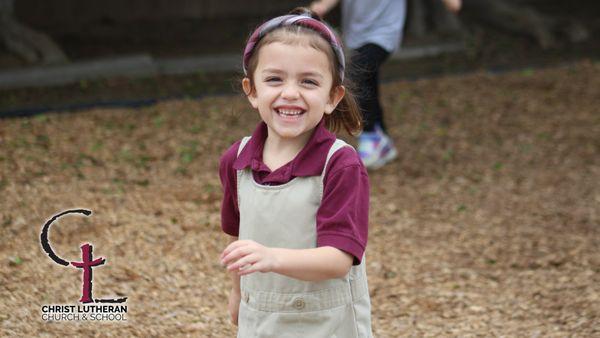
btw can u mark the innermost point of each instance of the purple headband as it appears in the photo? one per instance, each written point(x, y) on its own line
point(295, 20)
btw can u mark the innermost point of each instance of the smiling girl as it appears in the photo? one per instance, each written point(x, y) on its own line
point(296, 199)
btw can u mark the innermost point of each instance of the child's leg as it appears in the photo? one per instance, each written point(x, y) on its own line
point(366, 61)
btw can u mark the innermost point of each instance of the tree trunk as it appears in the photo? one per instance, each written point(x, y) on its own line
point(444, 21)
point(417, 18)
point(33, 46)
point(512, 17)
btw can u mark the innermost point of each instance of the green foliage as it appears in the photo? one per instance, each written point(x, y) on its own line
point(158, 121)
point(41, 118)
point(15, 260)
point(448, 155)
point(188, 152)
point(98, 145)
point(43, 141)
point(528, 72)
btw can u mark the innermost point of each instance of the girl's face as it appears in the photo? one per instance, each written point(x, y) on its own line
point(292, 90)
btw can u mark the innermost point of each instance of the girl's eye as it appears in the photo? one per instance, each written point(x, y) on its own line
point(311, 82)
point(272, 79)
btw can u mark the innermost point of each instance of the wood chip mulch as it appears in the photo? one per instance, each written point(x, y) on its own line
point(487, 225)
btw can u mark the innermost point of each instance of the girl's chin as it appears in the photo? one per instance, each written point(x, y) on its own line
point(285, 132)
point(288, 134)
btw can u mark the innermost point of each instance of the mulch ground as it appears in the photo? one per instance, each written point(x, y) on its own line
point(488, 224)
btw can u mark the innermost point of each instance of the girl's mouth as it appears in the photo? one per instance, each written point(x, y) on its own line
point(289, 113)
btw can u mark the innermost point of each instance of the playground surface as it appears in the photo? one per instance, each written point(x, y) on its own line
point(488, 224)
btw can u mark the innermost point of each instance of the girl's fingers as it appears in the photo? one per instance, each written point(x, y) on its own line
point(243, 262)
point(250, 269)
point(237, 244)
point(235, 255)
point(232, 246)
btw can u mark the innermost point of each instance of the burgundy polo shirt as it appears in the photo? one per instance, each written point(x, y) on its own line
point(343, 216)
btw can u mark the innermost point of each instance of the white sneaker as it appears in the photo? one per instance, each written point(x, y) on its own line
point(376, 148)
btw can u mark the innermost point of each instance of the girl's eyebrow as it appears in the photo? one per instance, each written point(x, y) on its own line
point(313, 74)
point(272, 70)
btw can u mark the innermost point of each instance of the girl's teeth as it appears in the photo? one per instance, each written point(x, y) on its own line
point(290, 112)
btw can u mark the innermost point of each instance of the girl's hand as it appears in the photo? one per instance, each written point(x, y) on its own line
point(453, 5)
point(321, 7)
point(234, 305)
point(247, 256)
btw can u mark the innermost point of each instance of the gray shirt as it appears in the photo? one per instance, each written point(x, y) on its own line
point(373, 21)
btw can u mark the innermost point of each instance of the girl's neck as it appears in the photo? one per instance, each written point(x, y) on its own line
point(278, 151)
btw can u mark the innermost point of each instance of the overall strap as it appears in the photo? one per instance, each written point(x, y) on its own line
point(338, 144)
point(243, 144)
point(239, 173)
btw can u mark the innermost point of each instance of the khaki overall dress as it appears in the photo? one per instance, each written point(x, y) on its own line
point(273, 305)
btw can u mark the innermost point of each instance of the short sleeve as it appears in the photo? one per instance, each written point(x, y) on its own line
point(230, 215)
point(343, 217)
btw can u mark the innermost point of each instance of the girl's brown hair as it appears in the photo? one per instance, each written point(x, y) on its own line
point(347, 113)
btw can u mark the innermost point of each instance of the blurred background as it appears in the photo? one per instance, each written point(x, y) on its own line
point(137, 51)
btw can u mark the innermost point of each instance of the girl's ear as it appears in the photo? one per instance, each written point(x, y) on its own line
point(250, 92)
point(336, 96)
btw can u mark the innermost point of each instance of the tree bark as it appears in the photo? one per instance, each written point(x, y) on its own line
point(445, 21)
point(512, 17)
point(509, 15)
point(32, 46)
point(425, 15)
point(417, 18)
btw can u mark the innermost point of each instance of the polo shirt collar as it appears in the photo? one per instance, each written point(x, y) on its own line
point(309, 161)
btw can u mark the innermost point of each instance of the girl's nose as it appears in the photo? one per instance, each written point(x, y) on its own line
point(290, 92)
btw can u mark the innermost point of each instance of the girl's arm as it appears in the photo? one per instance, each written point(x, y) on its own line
point(233, 305)
point(322, 7)
point(312, 264)
point(316, 264)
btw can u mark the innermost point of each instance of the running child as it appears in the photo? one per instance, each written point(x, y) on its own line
point(296, 199)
